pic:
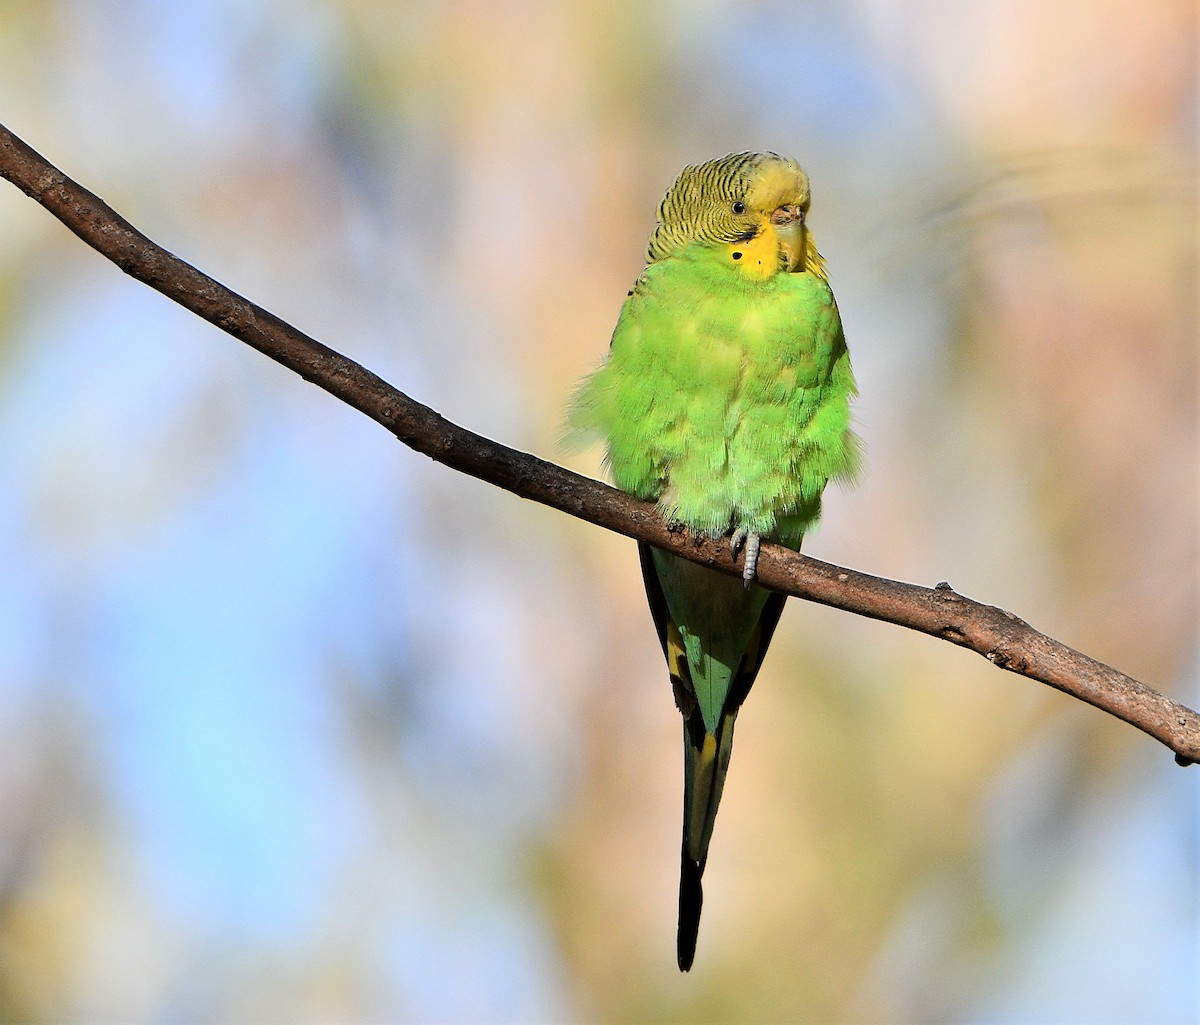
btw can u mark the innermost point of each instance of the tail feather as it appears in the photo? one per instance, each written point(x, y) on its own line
point(691, 896)
point(705, 766)
point(706, 755)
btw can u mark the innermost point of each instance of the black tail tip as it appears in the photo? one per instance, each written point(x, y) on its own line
point(691, 896)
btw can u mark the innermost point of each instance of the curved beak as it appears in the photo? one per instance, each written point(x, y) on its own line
point(788, 222)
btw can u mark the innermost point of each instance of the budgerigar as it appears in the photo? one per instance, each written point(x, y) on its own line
point(725, 398)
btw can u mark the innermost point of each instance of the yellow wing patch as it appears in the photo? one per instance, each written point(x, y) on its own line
point(677, 666)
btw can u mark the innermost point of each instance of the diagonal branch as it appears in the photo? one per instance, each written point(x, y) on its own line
point(999, 636)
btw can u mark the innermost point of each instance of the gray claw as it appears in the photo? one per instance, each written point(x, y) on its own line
point(750, 569)
point(741, 537)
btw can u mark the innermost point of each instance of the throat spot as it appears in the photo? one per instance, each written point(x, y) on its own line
point(757, 258)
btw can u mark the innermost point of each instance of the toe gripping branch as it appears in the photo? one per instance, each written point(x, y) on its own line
point(751, 541)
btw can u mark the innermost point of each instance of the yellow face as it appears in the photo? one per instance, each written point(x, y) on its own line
point(775, 207)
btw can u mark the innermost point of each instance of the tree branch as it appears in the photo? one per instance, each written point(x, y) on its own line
point(1002, 638)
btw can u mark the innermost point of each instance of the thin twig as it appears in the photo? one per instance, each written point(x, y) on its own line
point(999, 636)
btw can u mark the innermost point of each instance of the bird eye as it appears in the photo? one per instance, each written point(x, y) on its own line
point(739, 207)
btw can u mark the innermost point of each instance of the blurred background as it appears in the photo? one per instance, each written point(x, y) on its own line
point(296, 725)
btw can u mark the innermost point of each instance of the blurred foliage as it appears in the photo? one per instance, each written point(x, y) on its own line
point(296, 726)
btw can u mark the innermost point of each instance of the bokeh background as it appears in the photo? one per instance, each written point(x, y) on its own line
point(296, 725)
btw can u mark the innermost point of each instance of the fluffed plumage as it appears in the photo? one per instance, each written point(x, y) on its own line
point(725, 398)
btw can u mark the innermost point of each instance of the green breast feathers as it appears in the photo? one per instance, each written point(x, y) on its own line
point(725, 399)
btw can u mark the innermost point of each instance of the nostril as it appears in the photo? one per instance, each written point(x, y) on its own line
point(786, 214)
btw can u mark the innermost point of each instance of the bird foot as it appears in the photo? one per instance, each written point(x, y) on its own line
point(751, 541)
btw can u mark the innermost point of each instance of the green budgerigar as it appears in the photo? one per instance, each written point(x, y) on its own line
point(725, 398)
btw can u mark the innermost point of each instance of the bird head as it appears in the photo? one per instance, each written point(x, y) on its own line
point(749, 208)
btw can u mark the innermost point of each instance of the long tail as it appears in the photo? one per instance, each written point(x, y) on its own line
point(705, 763)
point(706, 755)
